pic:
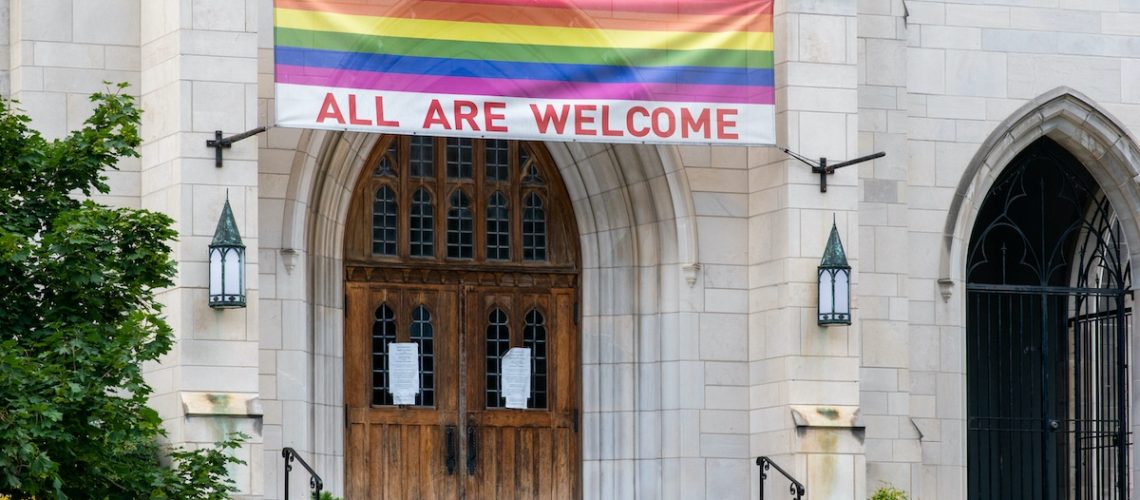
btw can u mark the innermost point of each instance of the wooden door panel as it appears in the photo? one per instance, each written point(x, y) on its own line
point(524, 453)
point(402, 448)
point(525, 463)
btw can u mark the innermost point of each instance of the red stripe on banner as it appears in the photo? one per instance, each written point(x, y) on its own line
point(606, 7)
point(542, 16)
point(509, 87)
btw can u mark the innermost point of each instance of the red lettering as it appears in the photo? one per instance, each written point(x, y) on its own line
point(722, 124)
point(548, 116)
point(466, 111)
point(581, 119)
point(490, 116)
point(380, 114)
point(329, 109)
point(688, 124)
point(352, 112)
point(606, 130)
point(435, 116)
point(634, 131)
point(670, 120)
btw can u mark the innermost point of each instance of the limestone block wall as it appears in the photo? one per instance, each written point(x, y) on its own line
point(968, 67)
point(892, 443)
point(794, 364)
point(53, 58)
point(199, 75)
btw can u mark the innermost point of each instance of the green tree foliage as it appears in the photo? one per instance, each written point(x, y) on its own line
point(78, 318)
point(889, 492)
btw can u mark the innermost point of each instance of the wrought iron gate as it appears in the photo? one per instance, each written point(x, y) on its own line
point(1048, 313)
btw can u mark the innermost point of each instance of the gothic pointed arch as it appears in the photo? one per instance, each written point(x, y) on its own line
point(1072, 120)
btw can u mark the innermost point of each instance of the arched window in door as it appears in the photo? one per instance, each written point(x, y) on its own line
point(472, 201)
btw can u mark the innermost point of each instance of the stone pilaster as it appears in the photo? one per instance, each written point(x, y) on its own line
point(199, 61)
point(892, 445)
point(804, 379)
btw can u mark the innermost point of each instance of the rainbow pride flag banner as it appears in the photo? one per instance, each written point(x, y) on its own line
point(640, 71)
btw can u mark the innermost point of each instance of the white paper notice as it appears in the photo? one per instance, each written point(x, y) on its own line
point(404, 372)
point(514, 385)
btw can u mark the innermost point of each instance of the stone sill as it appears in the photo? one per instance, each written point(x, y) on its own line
point(221, 403)
point(827, 417)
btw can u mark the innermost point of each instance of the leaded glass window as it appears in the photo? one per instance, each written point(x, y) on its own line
point(498, 228)
point(459, 154)
point(497, 153)
point(484, 201)
point(384, 222)
point(534, 337)
point(422, 334)
point(422, 157)
point(498, 343)
point(383, 333)
point(386, 167)
point(534, 228)
point(460, 227)
point(422, 225)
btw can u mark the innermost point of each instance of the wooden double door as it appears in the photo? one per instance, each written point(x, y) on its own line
point(459, 440)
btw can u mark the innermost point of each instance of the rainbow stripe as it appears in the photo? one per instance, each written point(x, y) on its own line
point(680, 51)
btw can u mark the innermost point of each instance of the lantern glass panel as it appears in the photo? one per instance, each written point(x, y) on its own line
point(841, 291)
point(231, 284)
point(215, 271)
point(826, 297)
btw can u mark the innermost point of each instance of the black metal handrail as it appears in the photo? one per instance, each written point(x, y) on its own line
point(795, 488)
point(315, 482)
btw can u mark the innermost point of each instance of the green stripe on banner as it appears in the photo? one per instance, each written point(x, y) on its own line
point(450, 49)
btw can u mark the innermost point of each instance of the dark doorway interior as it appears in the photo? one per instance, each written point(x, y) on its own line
point(1048, 313)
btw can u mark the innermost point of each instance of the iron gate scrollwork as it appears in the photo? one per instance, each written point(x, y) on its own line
point(1048, 313)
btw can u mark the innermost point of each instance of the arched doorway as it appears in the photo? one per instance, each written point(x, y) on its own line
point(465, 249)
point(1048, 310)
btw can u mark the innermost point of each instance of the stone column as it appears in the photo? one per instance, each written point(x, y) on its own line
point(893, 451)
point(804, 379)
point(199, 60)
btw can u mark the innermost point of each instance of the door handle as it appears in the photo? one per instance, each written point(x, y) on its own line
point(450, 461)
point(471, 455)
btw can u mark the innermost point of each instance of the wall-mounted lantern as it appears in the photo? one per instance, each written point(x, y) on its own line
point(834, 283)
point(227, 263)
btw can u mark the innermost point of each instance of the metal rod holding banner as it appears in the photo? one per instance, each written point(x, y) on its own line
point(823, 169)
point(219, 142)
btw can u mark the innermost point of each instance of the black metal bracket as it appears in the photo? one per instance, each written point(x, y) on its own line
point(219, 142)
point(823, 169)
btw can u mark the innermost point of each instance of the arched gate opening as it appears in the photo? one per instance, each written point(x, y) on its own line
point(1048, 310)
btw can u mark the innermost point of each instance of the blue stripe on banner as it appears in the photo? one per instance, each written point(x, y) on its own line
point(474, 68)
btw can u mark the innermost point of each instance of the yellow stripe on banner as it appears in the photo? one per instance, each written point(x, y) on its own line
point(519, 34)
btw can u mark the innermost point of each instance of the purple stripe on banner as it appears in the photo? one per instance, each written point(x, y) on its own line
point(537, 89)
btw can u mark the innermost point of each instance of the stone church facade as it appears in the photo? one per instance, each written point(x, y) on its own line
point(695, 298)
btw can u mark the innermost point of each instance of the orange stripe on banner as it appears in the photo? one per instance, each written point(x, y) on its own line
point(495, 13)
